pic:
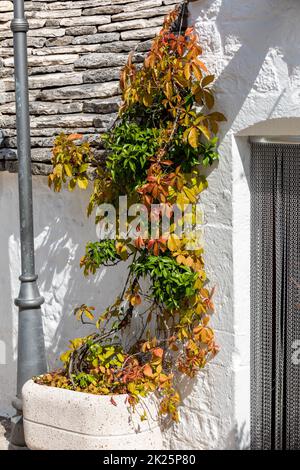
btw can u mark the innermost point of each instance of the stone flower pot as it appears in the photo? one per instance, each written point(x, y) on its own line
point(56, 419)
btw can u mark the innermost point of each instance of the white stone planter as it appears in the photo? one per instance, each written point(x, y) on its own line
point(57, 419)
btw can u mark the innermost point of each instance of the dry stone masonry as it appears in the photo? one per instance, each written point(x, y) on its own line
point(76, 50)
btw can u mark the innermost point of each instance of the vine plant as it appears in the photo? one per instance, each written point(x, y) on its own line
point(164, 136)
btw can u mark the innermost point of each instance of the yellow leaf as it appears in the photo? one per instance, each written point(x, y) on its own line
point(84, 167)
point(147, 100)
point(205, 131)
point(184, 333)
point(122, 251)
point(181, 201)
point(193, 137)
point(202, 186)
point(89, 314)
point(72, 184)
point(168, 90)
point(200, 309)
point(180, 259)
point(197, 72)
point(57, 171)
point(187, 71)
point(65, 356)
point(163, 378)
point(76, 343)
point(190, 194)
point(131, 387)
point(68, 169)
point(173, 242)
point(199, 119)
point(83, 183)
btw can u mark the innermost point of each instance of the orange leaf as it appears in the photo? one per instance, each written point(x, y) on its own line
point(189, 31)
point(189, 261)
point(158, 352)
point(135, 300)
point(148, 371)
point(74, 136)
point(201, 65)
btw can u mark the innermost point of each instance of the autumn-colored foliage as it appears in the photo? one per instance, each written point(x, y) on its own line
point(165, 134)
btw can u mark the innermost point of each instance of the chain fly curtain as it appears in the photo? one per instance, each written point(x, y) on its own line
point(275, 289)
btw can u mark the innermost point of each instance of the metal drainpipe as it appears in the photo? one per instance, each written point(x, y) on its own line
point(31, 348)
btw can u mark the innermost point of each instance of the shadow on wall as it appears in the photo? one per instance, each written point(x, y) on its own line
point(61, 232)
point(9, 220)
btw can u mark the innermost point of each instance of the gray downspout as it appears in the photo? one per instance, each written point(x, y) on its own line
point(31, 348)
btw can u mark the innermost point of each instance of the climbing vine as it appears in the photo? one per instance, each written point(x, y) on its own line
point(164, 136)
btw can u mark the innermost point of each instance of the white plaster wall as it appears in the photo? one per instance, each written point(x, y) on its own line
point(61, 231)
point(253, 47)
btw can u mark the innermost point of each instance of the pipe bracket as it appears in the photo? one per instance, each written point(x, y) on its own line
point(29, 295)
point(19, 25)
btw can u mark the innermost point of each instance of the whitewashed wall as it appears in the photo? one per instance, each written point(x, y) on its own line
point(253, 47)
point(61, 231)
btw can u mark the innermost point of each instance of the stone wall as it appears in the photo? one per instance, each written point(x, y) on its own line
point(76, 50)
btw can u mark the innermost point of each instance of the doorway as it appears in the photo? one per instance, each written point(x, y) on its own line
point(275, 289)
